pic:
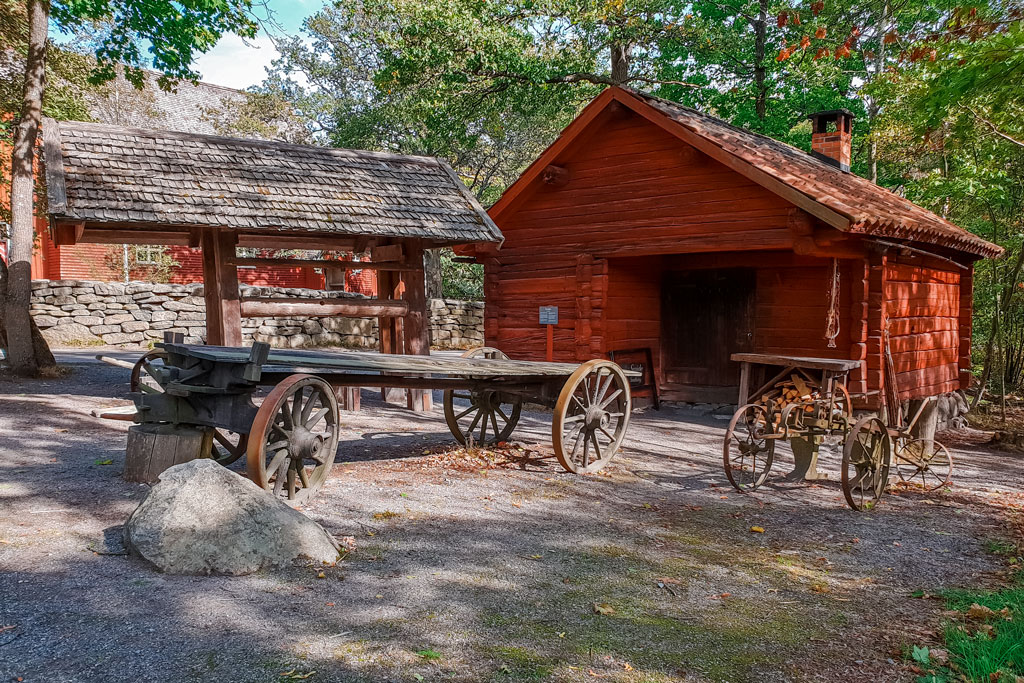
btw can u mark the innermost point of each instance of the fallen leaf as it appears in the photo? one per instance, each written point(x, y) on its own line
point(561, 634)
point(104, 462)
point(757, 529)
point(329, 604)
point(979, 612)
point(321, 575)
point(603, 608)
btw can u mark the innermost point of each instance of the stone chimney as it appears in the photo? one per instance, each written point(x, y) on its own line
point(831, 135)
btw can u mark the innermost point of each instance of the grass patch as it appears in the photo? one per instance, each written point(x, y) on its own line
point(983, 648)
point(521, 664)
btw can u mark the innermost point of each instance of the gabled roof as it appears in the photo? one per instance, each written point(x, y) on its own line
point(843, 200)
point(99, 174)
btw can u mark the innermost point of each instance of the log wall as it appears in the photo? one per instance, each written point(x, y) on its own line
point(923, 314)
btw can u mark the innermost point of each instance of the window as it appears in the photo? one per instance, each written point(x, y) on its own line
point(148, 255)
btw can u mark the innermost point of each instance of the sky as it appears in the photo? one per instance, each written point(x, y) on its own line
point(238, 63)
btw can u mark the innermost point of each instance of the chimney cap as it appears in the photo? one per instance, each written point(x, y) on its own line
point(831, 113)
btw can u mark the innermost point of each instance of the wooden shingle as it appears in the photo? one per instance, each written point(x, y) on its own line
point(111, 174)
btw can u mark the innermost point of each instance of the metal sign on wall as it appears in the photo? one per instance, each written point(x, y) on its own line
point(549, 315)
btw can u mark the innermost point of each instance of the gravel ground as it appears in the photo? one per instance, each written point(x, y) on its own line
point(484, 566)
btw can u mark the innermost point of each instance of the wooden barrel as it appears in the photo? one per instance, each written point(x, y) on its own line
point(152, 448)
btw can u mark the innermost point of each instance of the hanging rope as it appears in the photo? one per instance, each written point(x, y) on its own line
point(833, 312)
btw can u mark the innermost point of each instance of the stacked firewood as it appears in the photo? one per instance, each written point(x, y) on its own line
point(794, 389)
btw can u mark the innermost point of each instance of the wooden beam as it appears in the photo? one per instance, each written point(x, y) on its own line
point(348, 308)
point(278, 240)
point(387, 252)
point(310, 263)
point(220, 289)
point(556, 176)
point(116, 236)
point(67, 234)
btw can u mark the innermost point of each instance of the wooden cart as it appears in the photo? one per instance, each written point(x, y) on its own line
point(805, 402)
point(291, 437)
point(820, 408)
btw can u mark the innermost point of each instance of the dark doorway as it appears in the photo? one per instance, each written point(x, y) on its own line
point(706, 316)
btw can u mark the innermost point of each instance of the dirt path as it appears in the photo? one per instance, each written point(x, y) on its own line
point(484, 569)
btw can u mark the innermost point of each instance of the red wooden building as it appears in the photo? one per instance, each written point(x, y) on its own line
point(653, 226)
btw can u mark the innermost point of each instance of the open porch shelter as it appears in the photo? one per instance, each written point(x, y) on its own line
point(114, 185)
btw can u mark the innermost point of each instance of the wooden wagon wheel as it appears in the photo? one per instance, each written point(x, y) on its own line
point(294, 438)
point(150, 376)
point(591, 414)
point(865, 467)
point(923, 461)
point(748, 453)
point(491, 417)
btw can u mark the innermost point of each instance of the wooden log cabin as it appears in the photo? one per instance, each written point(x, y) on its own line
point(653, 226)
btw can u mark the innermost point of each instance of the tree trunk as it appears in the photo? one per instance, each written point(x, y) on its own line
point(760, 70)
point(41, 350)
point(873, 107)
point(17, 320)
point(620, 63)
point(432, 273)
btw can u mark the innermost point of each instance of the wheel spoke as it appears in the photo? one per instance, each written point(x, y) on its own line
point(494, 424)
point(276, 462)
point(316, 417)
point(597, 444)
point(579, 403)
point(297, 406)
point(303, 476)
point(611, 398)
point(291, 483)
point(307, 410)
point(504, 417)
point(466, 411)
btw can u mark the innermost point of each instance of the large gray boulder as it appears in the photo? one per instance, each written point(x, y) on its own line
point(201, 518)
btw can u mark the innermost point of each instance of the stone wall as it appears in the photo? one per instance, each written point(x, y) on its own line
point(78, 312)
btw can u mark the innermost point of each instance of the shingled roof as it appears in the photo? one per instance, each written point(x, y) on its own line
point(843, 200)
point(869, 208)
point(101, 174)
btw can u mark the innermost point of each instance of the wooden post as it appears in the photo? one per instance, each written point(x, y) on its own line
point(875, 372)
point(220, 289)
point(744, 384)
point(389, 338)
point(416, 324)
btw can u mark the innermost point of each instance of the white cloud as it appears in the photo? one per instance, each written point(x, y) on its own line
point(237, 63)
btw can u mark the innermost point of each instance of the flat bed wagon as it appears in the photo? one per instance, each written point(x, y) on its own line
point(290, 439)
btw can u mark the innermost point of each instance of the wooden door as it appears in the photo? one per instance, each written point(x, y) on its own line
point(707, 315)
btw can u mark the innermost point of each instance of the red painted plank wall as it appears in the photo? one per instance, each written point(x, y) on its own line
point(923, 312)
point(190, 269)
point(633, 189)
point(791, 309)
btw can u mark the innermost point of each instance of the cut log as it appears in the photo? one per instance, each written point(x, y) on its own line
point(153, 448)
